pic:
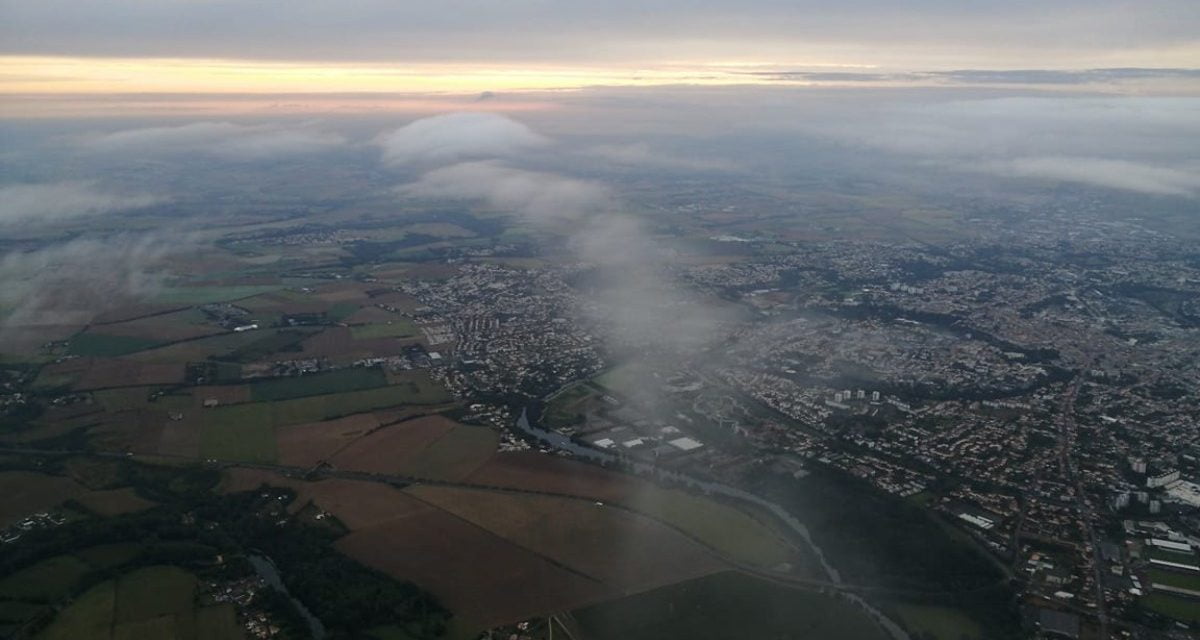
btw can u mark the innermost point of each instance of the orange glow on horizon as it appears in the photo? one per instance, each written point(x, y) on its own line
point(51, 75)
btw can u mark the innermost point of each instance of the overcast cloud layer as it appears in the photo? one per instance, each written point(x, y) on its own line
point(938, 33)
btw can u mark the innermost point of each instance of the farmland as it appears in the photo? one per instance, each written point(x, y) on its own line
point(307, 444)
point(104, 345)
point(455, 455)
point(388, 449)
point(155, 591)
point(113, 502)
point(729, 530)
point(46, 581)
point(414, 390)
point(581, 535)
point(398, 328)
point(153, 602)
point(940, 623)
point(566, 407)
point(90, 616)
point(484, 579)
point(337, 381)
point(723, 527)
point(727, 605)
point(239, 432)
point(27, 492)
point(205, 294)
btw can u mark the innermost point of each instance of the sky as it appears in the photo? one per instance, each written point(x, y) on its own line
point(196, 49)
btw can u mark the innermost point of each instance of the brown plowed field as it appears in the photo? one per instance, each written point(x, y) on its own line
point(113, 372)
point(170, 327)
point(337, 344)
point(27, 492)
point(388, 449)
point(113, 502)
point(358, 505)
point(482, 578)
point(305, 445)
point(541, 472)
point(181, 437)
point(224, 394)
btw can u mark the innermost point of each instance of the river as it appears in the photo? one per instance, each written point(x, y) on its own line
point(266, 568)
point(562, 442)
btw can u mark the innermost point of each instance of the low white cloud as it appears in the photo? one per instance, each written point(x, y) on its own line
point(50, 202)
point(220, 139)
point(530, 194)
point(1113, 174)
point(634, 300)
point(457, 136)
point(71, 282)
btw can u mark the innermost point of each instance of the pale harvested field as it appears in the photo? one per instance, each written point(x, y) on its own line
point(625, 551)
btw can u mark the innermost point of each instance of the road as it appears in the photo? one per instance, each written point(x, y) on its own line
point(1087, 513)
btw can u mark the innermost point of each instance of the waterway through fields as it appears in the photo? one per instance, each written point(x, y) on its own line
point(563, 443)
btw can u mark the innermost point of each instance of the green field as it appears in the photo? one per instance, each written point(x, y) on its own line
point(1175, 579)
point(46, 581)
point(90, 616)
point(338, 381)
point(341, 311)
point(1177, 607)
point(107, 556)
point(13, 611)
point(246, 431)
point(413, 389)
point(204, 295)
point(627, 379)
point(564, 408)
point(267, 342)
point(391, 632)
point(123, 398)
point(239, 432)
point(727, 605)
point(940, 623)
point(218, 622)
point(100, 345)
point(729, 530)
point(151, 603)
point(200, 348)
point(399, 328)
point(156, 591)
